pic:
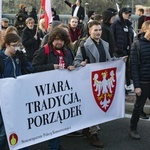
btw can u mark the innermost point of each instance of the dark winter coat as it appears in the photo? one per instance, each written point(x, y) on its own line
point(29, 42)
point(25, 13)
point(140, 61)
point(42, 62)
point(20, 24)
point(121, 40)
point(108, 36)
point(141, 19)
point(13, 66)
point(55, 16)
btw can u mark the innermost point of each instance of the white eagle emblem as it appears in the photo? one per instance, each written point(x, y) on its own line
point(103, 86)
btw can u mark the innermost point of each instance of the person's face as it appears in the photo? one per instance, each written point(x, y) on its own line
point(95, 32)
point(125, 15)
point(74, 23)
point(5, 23)
point(77, 2)
point(13, 47)
point(58, 43)
point(30, 24)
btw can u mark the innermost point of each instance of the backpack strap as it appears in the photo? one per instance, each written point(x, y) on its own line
point(46, 49)
point(84, 53)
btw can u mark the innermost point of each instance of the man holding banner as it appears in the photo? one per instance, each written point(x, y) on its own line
point(94, 50)
point(56, 58)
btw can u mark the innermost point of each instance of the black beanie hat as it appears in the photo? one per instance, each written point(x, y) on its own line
point(112, 10)
point(106, 16)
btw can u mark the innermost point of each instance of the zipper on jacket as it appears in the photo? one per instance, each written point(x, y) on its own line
point(14, 66)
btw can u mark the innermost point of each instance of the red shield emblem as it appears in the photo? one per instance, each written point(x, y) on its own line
point(104, 86)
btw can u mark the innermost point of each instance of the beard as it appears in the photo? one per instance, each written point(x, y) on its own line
point(58, 47)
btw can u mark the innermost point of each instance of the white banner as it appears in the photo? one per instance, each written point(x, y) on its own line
point(45, 105)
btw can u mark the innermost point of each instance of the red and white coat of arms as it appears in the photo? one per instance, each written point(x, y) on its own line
point(104, 86)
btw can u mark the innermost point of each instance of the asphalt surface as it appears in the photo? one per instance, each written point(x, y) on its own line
point(114, 135)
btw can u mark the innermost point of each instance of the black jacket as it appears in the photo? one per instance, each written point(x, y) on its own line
point(108, 36)
point(140, 61)
point(29, 42)
point(42, 62)
point(122, 40)
point(81, 11)
point(20, 23)
point(141, 19)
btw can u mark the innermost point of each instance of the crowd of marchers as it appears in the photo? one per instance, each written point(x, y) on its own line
point(29, 47)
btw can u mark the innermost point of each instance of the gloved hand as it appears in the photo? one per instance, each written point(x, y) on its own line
point(22, 58)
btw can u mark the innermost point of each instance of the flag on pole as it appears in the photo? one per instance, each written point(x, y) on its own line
point(46, 6)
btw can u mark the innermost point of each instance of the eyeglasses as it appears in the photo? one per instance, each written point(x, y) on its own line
point(15, 45)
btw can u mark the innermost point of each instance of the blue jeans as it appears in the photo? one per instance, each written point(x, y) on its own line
point(139, 104)
point(54, 144)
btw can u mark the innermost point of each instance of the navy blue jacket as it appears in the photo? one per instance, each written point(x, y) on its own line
point(13, 66)
point(140, 61)
point(121, 40)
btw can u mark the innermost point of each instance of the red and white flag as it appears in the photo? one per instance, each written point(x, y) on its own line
point(46, 5)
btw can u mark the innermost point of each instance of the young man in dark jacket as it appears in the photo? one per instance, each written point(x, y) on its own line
point(123, 33)
point(140, 67)
point(12, 64)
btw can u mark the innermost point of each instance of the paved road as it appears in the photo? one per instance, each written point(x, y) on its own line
point(114, 135)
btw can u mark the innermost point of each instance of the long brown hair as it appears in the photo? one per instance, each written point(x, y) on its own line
point(60, 33)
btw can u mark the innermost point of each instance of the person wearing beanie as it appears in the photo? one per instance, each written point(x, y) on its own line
point(107, 32)
point(123, 33)
point(5, 23)
point(112, 10)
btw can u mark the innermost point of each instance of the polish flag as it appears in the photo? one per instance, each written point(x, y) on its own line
point(46, 5)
